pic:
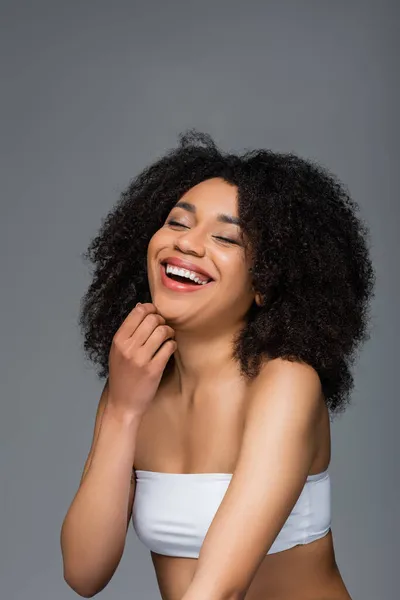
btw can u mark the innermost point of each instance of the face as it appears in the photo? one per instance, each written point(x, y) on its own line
point(201, 230)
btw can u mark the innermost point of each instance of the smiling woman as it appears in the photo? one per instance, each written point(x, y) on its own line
point(212, 433)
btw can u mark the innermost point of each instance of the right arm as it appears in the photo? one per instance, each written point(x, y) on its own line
point(93, 533)
point(94, 530)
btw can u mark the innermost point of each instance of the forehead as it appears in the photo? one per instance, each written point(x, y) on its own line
point(212, 197)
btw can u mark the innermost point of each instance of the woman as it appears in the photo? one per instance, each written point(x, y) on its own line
point(213, 428)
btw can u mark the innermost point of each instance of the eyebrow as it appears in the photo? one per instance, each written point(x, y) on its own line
point(223, 218)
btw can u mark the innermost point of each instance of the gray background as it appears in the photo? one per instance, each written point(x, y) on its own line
point(91, 93)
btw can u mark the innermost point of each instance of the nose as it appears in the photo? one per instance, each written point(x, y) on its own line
point(191, 242)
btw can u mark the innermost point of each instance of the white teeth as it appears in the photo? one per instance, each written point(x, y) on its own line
point(185, 273)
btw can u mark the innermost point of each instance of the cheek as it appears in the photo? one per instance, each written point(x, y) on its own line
point(153, 250)
point(151, 246)
point(157, 241)
point(234, 270)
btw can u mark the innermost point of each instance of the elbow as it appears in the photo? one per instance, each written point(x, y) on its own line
point(81, 588)
point(86, 575)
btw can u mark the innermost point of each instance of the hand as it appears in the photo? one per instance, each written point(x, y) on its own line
point(139, 353)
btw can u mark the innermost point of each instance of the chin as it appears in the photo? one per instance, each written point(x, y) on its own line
point(165, 306)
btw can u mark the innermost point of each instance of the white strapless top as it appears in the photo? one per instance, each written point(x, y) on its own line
point(172, 512)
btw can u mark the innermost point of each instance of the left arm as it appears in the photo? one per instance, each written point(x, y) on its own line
point(276, 453)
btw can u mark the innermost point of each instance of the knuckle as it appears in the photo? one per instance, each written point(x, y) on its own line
point(153, 318)
point(117, 340)
point(124, 352)
point(137, 360)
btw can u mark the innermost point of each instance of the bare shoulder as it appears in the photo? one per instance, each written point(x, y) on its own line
point(288, 376)
point(285, 388)
point(293, 389)
point(288, 366)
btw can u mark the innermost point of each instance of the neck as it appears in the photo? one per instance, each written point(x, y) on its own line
point(200, 362)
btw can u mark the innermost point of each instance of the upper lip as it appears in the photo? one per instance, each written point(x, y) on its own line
point(185, 264)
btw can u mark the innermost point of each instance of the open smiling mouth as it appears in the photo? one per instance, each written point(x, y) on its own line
point(180, 283)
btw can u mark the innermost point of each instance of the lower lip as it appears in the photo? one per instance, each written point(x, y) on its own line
point(177, 286)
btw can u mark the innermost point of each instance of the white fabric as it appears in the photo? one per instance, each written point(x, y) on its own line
point(172, 511)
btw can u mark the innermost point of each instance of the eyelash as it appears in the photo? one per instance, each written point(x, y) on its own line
point(172, 222)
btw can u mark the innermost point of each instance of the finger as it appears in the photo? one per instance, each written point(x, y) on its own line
point(158, 337)
point(145, 329)
point(161, 357)
point(133, 320)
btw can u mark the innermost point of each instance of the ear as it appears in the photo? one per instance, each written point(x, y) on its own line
point(258, 298)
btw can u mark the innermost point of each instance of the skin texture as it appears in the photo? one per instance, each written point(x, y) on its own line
point(281, 413)
point(224, 304)
point(263, 354)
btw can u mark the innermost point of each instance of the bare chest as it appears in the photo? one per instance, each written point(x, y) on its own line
point(205, 437)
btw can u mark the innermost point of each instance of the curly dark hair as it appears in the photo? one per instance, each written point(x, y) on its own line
point(311, 261)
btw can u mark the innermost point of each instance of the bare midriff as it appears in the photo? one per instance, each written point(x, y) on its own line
point(307, 572)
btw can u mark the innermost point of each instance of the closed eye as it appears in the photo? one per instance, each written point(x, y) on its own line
point(226, 239)
point(172, 222)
